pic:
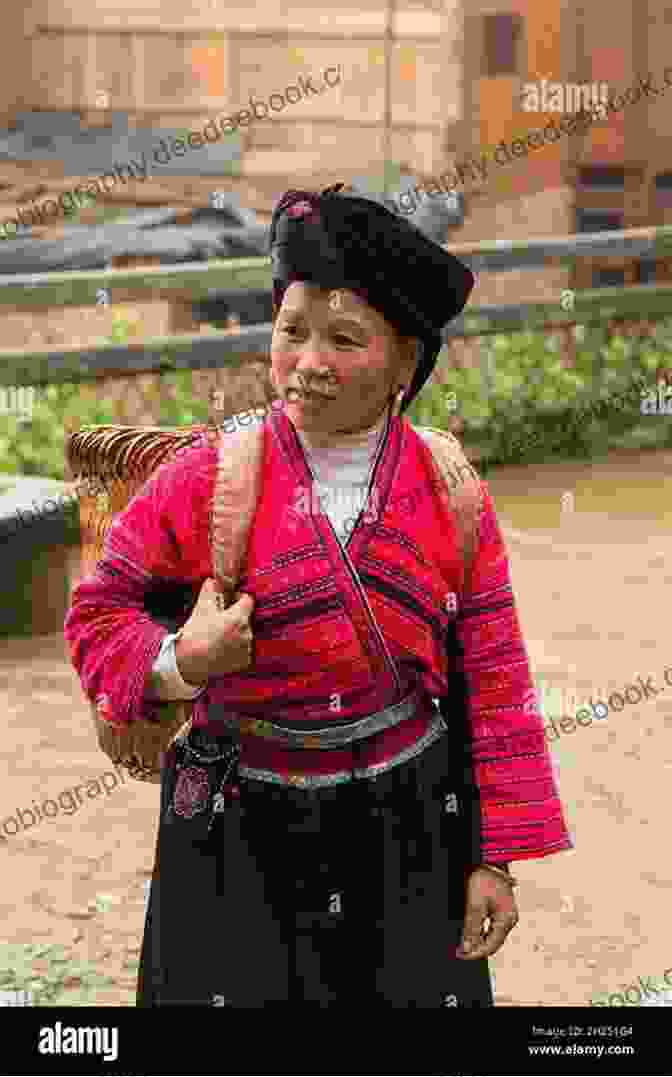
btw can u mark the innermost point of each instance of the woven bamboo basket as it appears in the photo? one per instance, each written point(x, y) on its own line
point(109, 464)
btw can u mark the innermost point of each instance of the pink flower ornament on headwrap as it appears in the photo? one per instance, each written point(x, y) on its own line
point(300, 209)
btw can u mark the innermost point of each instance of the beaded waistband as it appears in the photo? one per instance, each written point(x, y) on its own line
point(331, 736)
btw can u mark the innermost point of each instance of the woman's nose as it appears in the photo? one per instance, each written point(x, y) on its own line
point(314, 362)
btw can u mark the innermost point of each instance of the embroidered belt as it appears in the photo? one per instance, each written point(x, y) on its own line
point(200, 751)
point(332, 736)
point(436, 729)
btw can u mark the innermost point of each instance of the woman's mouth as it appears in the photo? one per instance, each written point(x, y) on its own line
point(303, 397)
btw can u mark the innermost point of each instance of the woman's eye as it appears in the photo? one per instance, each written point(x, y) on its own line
point(340, 339)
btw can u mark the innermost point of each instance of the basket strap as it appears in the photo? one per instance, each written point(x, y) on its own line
point(234, 502)
point(461, 488)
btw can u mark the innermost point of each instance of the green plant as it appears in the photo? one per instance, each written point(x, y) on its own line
point(85, 201)
point(124, 324)
point(537, 408)
point(51, 973)
point(104, 213)
point(38, 447)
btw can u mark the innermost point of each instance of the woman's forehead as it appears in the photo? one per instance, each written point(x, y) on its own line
point(302, 297)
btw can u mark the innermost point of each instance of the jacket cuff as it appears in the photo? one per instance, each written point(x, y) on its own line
point(167, 681)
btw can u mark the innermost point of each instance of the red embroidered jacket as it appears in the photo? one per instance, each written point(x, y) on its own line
point(339, 633)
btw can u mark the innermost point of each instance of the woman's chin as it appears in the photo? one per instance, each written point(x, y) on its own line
point(309, 412)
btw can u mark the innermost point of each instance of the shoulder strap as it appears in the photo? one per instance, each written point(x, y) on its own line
point(238, 484)
point(461, 487)
point(236, 492)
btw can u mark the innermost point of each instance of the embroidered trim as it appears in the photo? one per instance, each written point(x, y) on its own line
point(305, 781)
point(328, 736)
point(436, 730)
point(191, 792)
point(315, 781)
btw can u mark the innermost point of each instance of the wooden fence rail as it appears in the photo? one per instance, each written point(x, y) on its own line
point(80, 288)
point(237, 361)
point(217, 349)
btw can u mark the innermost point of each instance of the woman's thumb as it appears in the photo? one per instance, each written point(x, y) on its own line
point(210, 590)
point(244, 602)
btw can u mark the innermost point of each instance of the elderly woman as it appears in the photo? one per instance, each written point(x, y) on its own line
point(367, 861)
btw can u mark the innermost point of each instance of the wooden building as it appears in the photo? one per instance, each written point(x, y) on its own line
point(455, 85)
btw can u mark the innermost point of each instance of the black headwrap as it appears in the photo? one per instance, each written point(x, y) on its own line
point(339, 239)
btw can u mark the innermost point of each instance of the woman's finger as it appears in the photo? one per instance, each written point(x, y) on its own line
point(472, 932)
point(244, 607)
point(503, 919)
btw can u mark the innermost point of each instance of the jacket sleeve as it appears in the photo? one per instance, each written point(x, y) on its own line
point(158, 543)
point(521, 812)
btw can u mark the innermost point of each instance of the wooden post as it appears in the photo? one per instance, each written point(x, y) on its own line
point(568, 346)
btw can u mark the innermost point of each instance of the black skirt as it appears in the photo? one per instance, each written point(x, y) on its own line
point(343, 895)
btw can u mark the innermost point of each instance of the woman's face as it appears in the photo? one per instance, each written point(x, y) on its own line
point(335, 361)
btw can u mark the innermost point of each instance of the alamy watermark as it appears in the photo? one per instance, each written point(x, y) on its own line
point(61, 1039)
point(474, 168)
point(547, 96)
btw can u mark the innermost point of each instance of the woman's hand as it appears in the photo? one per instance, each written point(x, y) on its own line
point(487, 897)
point(215, 640)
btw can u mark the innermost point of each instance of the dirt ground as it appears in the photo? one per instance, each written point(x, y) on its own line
point(591, 595)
